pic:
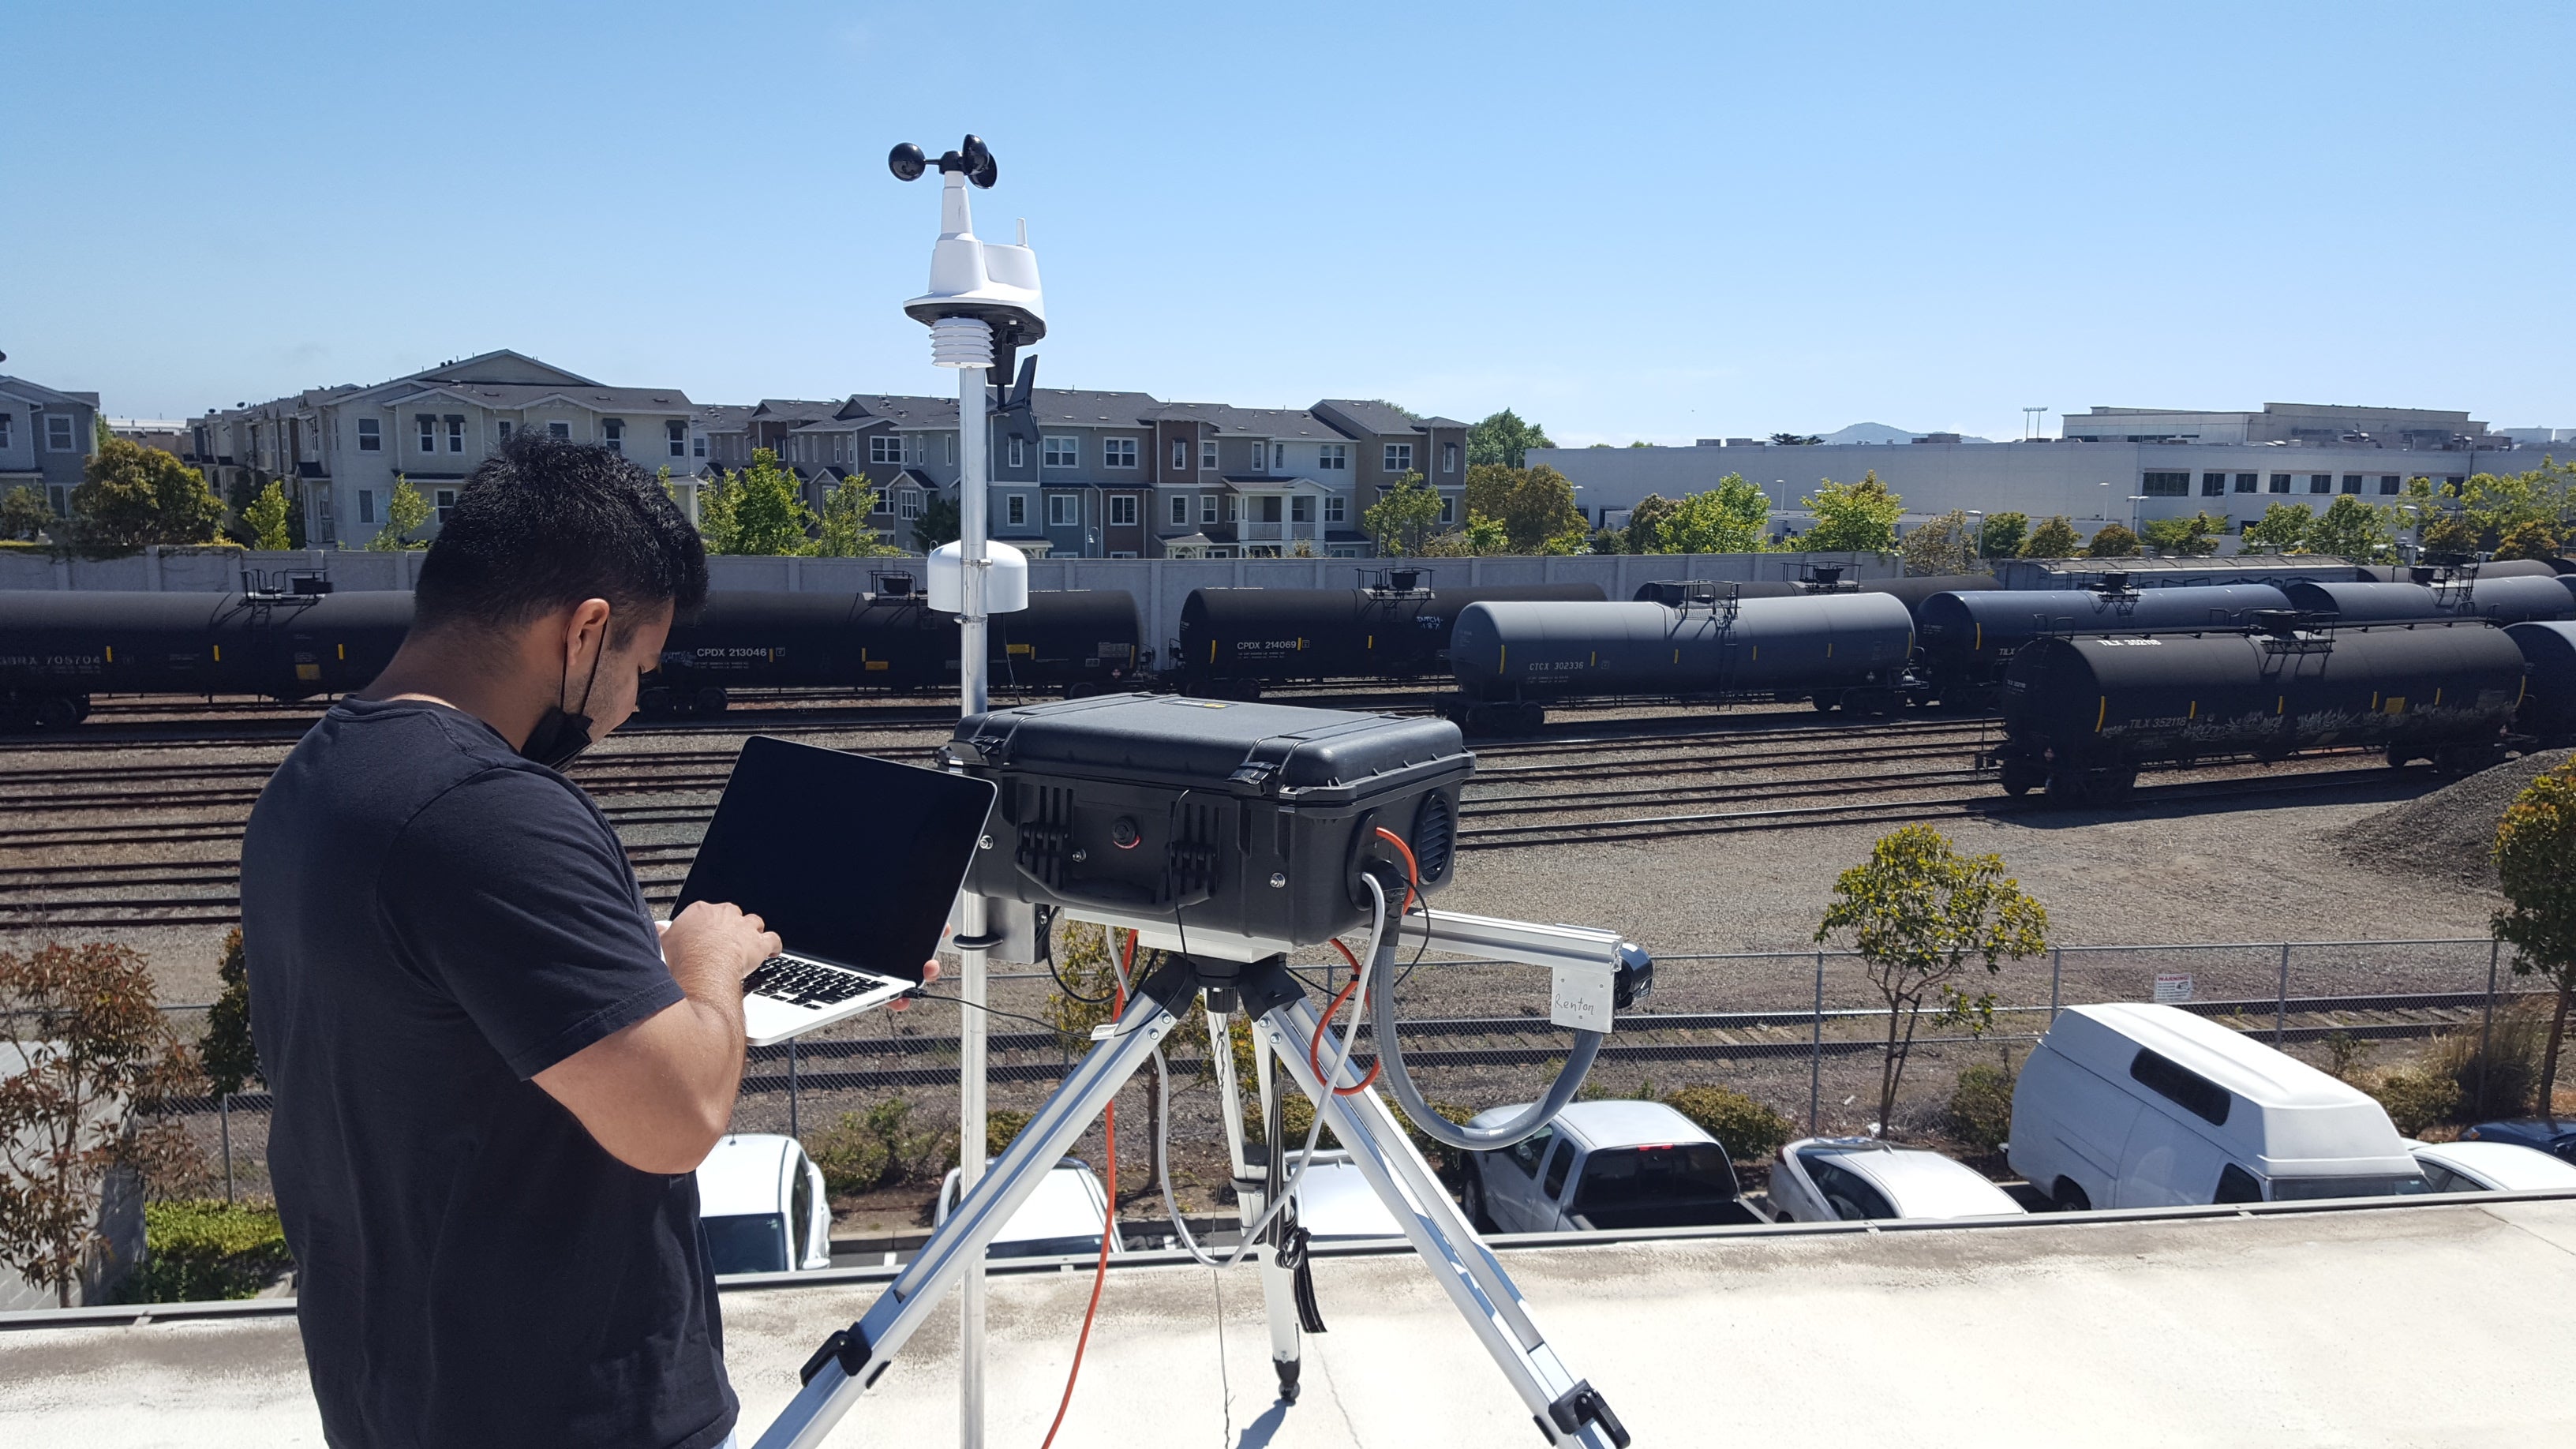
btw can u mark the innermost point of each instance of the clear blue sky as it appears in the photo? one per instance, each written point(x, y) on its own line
point(1657, 221)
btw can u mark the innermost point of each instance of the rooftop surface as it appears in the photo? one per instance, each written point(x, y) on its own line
point(2275, 1328)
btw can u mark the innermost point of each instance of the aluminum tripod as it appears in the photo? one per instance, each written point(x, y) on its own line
point(1566, 1409)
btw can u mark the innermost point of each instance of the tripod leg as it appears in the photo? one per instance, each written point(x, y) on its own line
point(1252, 1184)
point(1566, 1408)
point(855, 1357)
point(1278, 1275)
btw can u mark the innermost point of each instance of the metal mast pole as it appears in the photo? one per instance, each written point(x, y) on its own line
point(966, 344)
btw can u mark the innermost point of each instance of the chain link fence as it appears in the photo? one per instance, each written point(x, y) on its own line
point(1803, 1033)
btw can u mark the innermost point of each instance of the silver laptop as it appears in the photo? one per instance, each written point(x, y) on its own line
point(853, 861)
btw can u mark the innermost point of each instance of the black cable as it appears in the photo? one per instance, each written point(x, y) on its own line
point(1046, 946)
point(925, 994)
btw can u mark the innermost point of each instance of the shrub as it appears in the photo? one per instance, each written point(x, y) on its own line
point(1748, 1130)
point(881, 1148)
point(1981, 1104)
point(2417, 1098)
point(1001, 1125)
point(196, 1251)
point(2508, 1071)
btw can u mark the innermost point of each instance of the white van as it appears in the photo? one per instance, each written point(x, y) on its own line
point(2127, 1105)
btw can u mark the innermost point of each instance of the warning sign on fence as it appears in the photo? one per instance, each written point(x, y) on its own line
point(2173, 986)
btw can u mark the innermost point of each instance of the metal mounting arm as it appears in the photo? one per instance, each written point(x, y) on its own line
point(1591, 972)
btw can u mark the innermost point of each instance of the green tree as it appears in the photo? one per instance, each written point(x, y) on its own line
point(406, 512)
point(1503, 440)
point(941, 522)
point(1854, 517)
point(1943, 545)
point(2530, 538)
point(132, 497)
point(1482, 537)
point(765, 508)
point(2448, 537)
point(98, 1056)
point(226, 1050)
point(2001, 535)
point(715, 513)
point(2283, 527)
point(267, 517)
point(1733, 517)
point(1403, 519)
point(23, 514)
point(2193, 537)
point(1917, 913)
point(844, 531)
point(2350, 528)
point(1795, 440)
point(1535, 506)
point(1645, 531)
point(2112, 540)
point(2535, 856)
point(2053, 538)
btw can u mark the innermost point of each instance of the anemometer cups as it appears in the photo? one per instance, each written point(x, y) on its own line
point(972, 158)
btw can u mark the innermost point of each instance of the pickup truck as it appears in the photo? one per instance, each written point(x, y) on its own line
point(1602, 1166)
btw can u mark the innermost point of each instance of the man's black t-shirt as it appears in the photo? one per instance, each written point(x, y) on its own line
point(431, 921)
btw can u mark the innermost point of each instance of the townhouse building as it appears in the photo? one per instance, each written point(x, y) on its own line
point(46, 439)
point(340, 449)
point(1103, 474)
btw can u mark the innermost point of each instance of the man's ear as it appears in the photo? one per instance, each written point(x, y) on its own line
point(586, 634)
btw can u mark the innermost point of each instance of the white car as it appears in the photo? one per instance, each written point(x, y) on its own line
point(2489, 1167)
point(1602, 1167)
point(1853, 1179)
point(760, 1200)
point(1063, 1218)
point(1335, 1203)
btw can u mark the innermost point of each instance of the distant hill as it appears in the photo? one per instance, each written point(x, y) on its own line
point(1882, 433)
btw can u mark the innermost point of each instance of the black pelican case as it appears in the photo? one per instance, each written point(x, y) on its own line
point(1232, 818)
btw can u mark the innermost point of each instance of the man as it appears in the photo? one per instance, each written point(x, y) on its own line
point(493, 1084)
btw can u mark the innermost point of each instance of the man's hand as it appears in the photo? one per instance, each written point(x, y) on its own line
point(659, 1094)
point(711, 946)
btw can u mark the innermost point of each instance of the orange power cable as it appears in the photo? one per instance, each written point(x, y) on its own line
point(1109, 1218)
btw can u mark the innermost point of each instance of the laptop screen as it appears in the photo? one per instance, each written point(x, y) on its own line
point(851, 860)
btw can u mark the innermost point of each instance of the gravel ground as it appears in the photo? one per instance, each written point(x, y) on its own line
point(2448, 834)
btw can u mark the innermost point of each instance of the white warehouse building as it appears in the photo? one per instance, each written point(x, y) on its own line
point(2114, 465)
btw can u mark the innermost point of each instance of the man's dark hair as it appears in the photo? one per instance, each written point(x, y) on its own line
point(544, 524)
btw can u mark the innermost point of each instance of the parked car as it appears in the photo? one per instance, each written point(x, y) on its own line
point(2553, 1135)
point(1063, 1218)
point(2131, 1105)
point(1335, 1202)
point(1852, 1179)
point(2490, 1167)
point(1601, 1166)
point(761, 1202)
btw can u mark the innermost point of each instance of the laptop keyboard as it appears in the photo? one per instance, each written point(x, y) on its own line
point(805, 983)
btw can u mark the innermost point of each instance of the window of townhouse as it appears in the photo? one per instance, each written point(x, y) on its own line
point(1060, 453)
point(907, 503)
point(1180, 510)
point(677, 435)
point(1448, 457)
point(1448, 509)
point(1333, 509)
point(1118, 452)
point(560, 432)
point(1301, 509)
point(428, 433)
point(1399, 457)
point(612, 433)
point(504, 426)
point(1015, 508)
point(1207, 508)
point(1207, 457)
point(455, 433)
point(371, 435)
point(1333, 457)
point(366, 505)
point(1063, 510)
point(446, 500)
point(886, 448)
point(1019, 453)
point(58, 432)
point(1122, 508)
